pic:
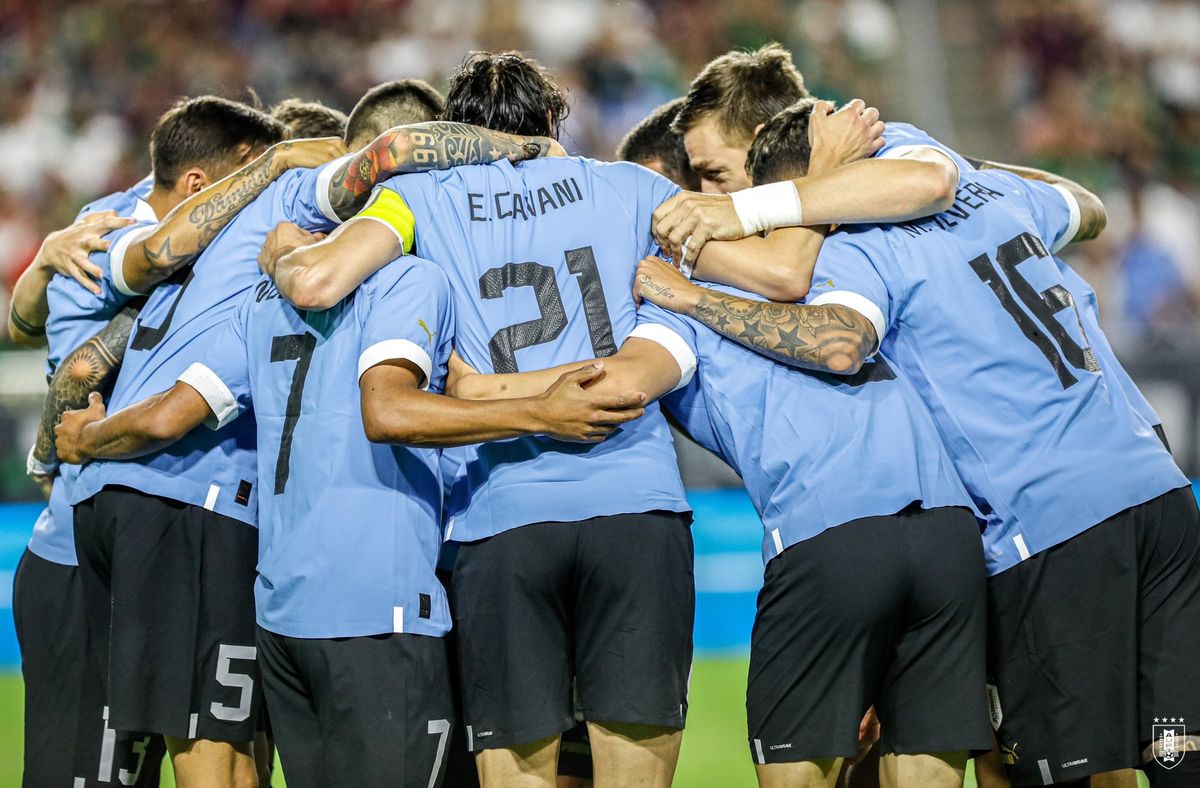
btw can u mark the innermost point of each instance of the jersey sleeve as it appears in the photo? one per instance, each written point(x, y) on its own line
point(222, 377)
point(846, 275)
point(408, 315)
point(112, 260)
point(675, 333)
point(902, 139)
point(1054, 209)
point(305, 196)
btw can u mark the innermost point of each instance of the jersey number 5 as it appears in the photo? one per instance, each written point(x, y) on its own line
point(298, 348)
point(507, 341)
point(1044, 306)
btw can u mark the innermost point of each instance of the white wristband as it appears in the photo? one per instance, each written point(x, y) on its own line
point(35, 468)
point(767, 207)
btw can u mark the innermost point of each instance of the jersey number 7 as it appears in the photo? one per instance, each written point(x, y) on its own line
point(1044, 306)
point(507, 341)
point(298, 348)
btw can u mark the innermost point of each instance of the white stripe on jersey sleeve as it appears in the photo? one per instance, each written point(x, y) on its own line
point(675, 345)
point(1072, 223)
point(901, 151)
point(393, 349)
point(116, 257)
point(218, 396)
point(324, 179)
point(861, 304)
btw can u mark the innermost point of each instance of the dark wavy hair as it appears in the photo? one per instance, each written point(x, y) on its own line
point(506, 91)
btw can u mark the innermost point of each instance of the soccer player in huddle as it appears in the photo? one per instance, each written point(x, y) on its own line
point(196, 143)
point(200, 494)
point(560, 543)
point(1103, 521)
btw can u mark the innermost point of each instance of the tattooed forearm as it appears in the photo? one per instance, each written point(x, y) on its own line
point(419, 148)
point(187, 231)
point(1092, 216)
point(830, 338)
point(85, 370)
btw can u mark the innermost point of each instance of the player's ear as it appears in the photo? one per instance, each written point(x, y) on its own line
point(191, 181)
point(757, 129)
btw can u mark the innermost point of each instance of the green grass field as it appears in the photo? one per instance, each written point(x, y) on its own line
point(714, 748)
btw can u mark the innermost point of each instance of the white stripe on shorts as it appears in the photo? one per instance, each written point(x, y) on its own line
point(210, 501)
point(758, 751)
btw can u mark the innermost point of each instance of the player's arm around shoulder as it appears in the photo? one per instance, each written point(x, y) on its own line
point(145, 427)
point(187, 230)
point(823, 337)
point(65, 252)
point(1092, 216)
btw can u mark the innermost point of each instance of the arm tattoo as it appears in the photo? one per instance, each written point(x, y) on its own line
point(420, 148)
point(88, 368)
point(830, 338)
point(169, 251)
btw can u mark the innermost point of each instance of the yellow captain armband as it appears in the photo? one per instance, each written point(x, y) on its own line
point(388, 208)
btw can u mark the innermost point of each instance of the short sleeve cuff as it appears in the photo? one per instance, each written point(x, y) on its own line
point(1072, 223)
point(676, 345)
point(324, 180)
point(220, 399)
point(116, 257)
point(861, 304)
point(394, 350)
point(900, 151)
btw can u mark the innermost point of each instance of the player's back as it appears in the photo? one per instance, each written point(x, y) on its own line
point(990, 335)
point(541, 259)
point(349, 530)
point(204, 468)
point(814, 450)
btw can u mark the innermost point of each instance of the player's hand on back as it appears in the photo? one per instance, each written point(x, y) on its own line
point(67, 250)
point(309, 152)
point(456, 371)
point(68, 435)
point(660, 283)
point(851, 133)
point(570, 411)
point(284, 238)
point(687, 221)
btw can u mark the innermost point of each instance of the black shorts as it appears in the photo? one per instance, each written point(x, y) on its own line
point(67, 739)
point(1095, 640)
point(359, 712)
point(884, 611)
point(608, 602)
point(170, 594)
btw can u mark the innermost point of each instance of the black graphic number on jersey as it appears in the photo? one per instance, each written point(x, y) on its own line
point(1044, 306)
point(148, 337)
point(553, 319)
point(298, 348)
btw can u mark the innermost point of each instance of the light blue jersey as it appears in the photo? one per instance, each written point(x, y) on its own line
point(77, 315)
point(900, 139)
point(349, 530)
point(215, 470)
point(815, 451)
point(541, 258)
point(972, 306)
point(1089, 314)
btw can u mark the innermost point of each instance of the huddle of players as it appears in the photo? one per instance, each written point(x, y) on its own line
point(952, 375)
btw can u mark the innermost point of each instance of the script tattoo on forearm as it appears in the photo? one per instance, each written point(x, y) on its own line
point(176, 249)
point(829, 338)
point(428, 146)
point(85, 370)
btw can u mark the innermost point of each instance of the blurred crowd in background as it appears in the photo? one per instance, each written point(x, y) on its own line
point(1104, 91)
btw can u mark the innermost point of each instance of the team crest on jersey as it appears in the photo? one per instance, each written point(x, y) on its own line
point(1169, 741)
